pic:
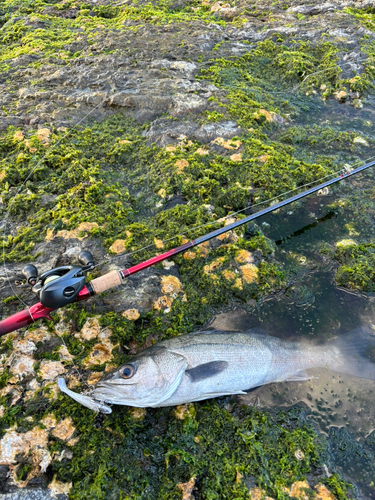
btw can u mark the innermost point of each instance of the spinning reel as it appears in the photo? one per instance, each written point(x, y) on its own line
point(59, 286)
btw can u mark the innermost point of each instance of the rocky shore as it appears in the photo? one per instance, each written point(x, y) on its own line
point(131, 127)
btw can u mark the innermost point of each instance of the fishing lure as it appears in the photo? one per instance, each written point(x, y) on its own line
point(84, 400)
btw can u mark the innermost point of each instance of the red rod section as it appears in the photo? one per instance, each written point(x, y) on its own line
point(155, 260)
point(37, 311)
point(24, 318)
point(29, 316)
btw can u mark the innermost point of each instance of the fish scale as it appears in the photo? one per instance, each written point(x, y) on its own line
point(252, 359)
point(205, 365)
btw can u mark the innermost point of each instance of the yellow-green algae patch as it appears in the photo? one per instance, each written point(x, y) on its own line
point(270, 79)
point(53, 30)
point(366, 16)
point(357, 265)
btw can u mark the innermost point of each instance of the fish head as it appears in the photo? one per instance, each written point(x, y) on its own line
point(146, 381)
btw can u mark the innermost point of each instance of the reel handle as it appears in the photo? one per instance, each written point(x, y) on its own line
point(30, 272)
point(85, 258)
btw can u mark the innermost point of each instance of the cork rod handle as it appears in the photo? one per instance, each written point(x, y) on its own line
point(106, 282)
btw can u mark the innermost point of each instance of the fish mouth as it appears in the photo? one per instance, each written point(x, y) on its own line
point(110, 395)
point(99, 402)
point(102, 394)
point(109, 388)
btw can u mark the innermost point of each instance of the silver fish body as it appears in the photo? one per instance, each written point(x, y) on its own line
point(210, 364)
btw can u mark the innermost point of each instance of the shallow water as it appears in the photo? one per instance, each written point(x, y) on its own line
point(341, 407)
point(338, 405)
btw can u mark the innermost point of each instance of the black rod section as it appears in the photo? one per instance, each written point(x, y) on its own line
point(272, 208)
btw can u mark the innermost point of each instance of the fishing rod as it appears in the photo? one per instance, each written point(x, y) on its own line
point(63, 285)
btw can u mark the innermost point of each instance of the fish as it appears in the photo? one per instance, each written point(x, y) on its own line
point(203, 365)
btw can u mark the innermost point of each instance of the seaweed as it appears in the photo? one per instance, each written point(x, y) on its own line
point(118, 188)
point(357, 263)
point(224, 450)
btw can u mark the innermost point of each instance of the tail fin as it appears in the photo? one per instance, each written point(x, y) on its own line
point(355, 353)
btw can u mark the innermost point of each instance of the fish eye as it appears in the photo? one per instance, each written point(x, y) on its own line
point(127, 371)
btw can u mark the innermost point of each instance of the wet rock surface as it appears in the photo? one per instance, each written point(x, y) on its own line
point(152, 68)
point(29, 494)
point(201, 127)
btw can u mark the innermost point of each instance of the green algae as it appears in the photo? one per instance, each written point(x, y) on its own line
point(314, 136)
point(265, 75)
point(23, 470)
point(275, 75)
point(357, 265)
point(337, 486)
point(225, 450)
point(117, 186)
point(4, 378)
point(163, 11)
point(48, 32)
point(366, 16)
point(353, 248)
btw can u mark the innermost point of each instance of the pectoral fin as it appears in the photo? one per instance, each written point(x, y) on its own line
point(209, 395)
point(206, 370)
point(301, 376)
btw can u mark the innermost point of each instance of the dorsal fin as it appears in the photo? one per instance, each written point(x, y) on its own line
point(213, 331)
point(257, 331)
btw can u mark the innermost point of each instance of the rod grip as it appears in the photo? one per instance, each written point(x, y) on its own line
point(106, 282)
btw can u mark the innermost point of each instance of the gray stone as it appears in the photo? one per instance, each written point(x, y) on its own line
point(313, 10)
point(31, 494)
point(163, 131)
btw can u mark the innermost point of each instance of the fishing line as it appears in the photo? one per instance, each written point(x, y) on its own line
point(212, 223)
point(169, 239)
point(297, 86)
